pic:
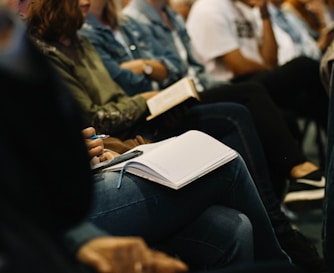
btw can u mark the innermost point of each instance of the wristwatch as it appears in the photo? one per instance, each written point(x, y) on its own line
point(148, 69)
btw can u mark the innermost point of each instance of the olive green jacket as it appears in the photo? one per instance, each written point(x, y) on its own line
point(105, 105)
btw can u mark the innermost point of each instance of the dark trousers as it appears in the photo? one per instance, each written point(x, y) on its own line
point(281, 148)
point(296, 86)
point(232, 124)
point(328, 219)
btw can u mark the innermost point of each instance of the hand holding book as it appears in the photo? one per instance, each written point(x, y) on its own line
point(172, 96)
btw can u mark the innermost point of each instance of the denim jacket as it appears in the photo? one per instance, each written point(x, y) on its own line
point(145, 14)
point(141, 46)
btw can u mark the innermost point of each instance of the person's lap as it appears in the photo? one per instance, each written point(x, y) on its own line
point(155, 212)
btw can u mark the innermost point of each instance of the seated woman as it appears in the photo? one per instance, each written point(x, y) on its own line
point(104, 97)
point(128, 49)
point(228, 122)
point(170, 221)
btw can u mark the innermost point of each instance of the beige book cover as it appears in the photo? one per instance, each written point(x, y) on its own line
point(171, 96)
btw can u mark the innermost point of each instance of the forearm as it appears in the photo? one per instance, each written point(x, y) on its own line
point(269, 47)
point(159, 71)
point(241, 65)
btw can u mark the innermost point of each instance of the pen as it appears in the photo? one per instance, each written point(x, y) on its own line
point(103, 136)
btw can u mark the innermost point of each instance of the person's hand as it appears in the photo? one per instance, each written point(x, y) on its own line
point(149, 94)
point(95, 147)
point(136, 66)
point(127, 255)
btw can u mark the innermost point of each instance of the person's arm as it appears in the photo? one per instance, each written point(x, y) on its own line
point(120, 113)
point(158, 71)
point(97, 249)
point(269, 47)
point(241, 65)
point(95, 147)
point(131, 83)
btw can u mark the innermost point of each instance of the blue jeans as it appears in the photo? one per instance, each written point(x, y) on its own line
point(232, 124)
point(208, 223)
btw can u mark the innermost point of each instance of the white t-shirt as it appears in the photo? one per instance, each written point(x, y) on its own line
point(217, 27)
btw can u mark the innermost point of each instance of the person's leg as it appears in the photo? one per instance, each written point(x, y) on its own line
point(296, 86)
point(198, 242)
point(280, 147)
point(155, 212)
point(237, 130)
point(232, 124)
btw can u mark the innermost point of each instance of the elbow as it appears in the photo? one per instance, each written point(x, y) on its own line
point(242, 71)
point(272, 62)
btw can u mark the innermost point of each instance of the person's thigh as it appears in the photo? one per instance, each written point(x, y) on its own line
point(155, 212)
point(144, 208)
point(296, 86)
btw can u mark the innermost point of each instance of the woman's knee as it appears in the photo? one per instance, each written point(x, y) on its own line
point(228, 236)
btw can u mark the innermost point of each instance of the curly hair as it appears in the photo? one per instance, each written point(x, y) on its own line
point(51, 20)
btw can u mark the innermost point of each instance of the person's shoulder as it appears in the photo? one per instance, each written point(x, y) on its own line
point(45, 48)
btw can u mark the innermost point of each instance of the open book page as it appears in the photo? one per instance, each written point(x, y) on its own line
point(177, 161)
point(171, 96)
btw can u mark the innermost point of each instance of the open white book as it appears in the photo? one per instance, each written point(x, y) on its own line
point(177, 161)
point(171, 96)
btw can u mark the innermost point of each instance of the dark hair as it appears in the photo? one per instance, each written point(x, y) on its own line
point(51, 20)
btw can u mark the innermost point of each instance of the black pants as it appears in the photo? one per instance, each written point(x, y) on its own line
point(280, 146)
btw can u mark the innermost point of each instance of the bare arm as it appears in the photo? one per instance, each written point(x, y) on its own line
point(240, 65)
point(269, 47)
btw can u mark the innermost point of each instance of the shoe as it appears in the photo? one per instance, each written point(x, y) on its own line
point(302, 253)
point(315, 179)
point(307, 188)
